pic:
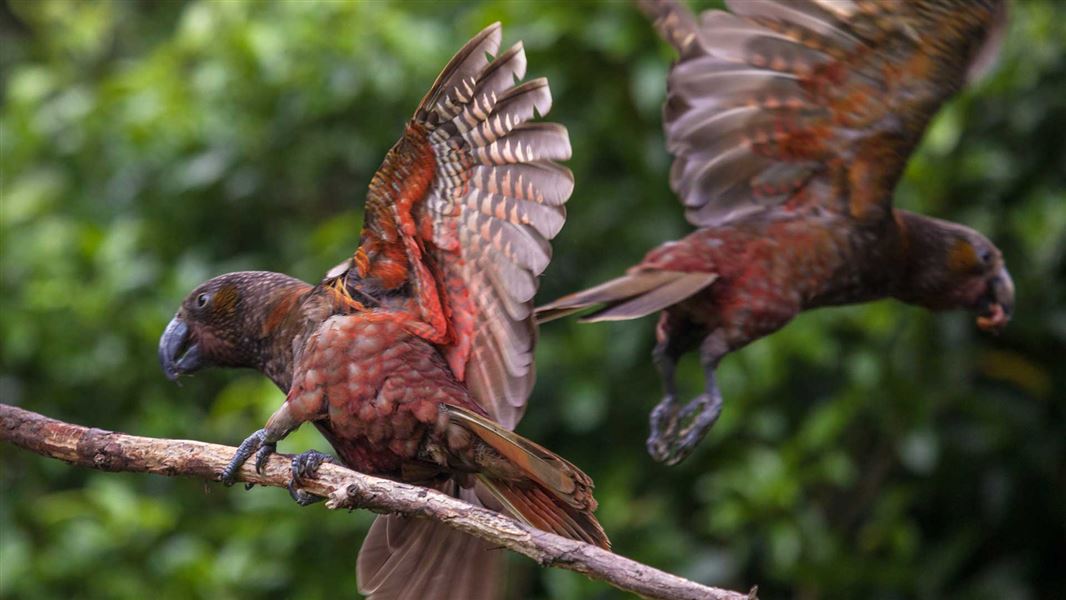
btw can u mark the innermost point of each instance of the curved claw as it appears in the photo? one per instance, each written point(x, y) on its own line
point(302, 497)
point(663, 422)
point(704, 411)
point(263, 455)
point(244, 451)
point(671, 446)
point(305, 465)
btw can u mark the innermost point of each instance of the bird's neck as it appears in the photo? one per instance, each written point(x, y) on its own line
point(293, 318)
point(863, 262)
point(922, 245)
point(290, 315)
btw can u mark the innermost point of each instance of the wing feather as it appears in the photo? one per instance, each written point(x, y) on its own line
point(462, 213)
point(776, 94)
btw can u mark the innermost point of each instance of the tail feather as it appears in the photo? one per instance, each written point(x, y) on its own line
point(536, 507)
point(536, 462)
point(533, 483)
point(417, 559)
point(631, 296)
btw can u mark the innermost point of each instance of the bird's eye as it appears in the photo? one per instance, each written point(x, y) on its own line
point(201, 300)
point(986, 256)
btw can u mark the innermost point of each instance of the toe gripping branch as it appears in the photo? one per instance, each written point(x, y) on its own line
point(305, 465)
point(262, 443)
point(259, 444)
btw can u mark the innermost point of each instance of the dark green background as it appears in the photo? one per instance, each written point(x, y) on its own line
point(876, 451)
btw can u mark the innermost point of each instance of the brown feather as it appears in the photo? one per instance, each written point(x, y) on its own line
point(813, 86)
point(537, 485)
point(416, 559)
point(536, 508)
point(631, 296)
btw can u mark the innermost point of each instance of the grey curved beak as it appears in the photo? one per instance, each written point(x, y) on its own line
point(178, 354)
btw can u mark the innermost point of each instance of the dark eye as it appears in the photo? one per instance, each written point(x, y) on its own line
point(986, 256)
point(201, 300)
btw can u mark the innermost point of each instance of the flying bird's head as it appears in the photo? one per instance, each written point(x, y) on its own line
point(233, 320)
point(953, 266)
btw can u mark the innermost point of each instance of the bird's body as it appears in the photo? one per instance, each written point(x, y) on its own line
point(414, 356)
point(767, 271)
point(383, 393)
point(374, 389)
point(791, 124)
point(386, 399)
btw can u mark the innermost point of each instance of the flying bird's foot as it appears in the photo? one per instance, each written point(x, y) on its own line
point(671, 446)
point(253, 443)
point(305, 465)
point(703, 412)
point(664, 419)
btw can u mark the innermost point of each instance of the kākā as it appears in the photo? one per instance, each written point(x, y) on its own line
point(414, 356)
point(791, 123)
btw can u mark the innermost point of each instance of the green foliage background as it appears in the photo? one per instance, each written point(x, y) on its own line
point(876, 451)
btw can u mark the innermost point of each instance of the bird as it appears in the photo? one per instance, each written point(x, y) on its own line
point(414, 356)
point(790, 124)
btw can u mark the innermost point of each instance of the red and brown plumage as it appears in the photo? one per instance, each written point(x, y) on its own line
point(460, 214)
point(791, 123)
point(414, 357)
point(389, 404)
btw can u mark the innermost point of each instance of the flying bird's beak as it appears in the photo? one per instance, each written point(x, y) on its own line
point(998, 303)
point(178, 352)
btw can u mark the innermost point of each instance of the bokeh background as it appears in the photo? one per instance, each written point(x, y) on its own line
point(875, 451)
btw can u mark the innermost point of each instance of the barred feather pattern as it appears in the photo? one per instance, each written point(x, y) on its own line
point(497, 202)
point(783, 104)
point(461, 213)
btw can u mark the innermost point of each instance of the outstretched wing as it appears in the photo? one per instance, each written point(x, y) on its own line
point(791, 102)
point(460, 216)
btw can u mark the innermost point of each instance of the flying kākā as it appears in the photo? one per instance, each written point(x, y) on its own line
point(414, 357)
point(791, 123)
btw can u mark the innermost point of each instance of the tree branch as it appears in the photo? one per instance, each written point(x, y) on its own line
point(344, 488)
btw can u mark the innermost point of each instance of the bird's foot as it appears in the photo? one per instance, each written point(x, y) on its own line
point(663, 427)
point(305, 465)
point(673, 443)
point(256, 443)
point(703, 412)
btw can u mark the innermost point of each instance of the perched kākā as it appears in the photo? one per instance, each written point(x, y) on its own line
point(414, 357)
point(791, 123)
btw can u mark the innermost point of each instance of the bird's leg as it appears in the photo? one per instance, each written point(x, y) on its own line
point(305, 465)
point(428, 297)
point(701, 413)
point(664, 417)
point(262, 443)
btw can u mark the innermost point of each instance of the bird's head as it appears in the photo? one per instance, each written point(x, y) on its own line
point(232, 320)
point(953, 266)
